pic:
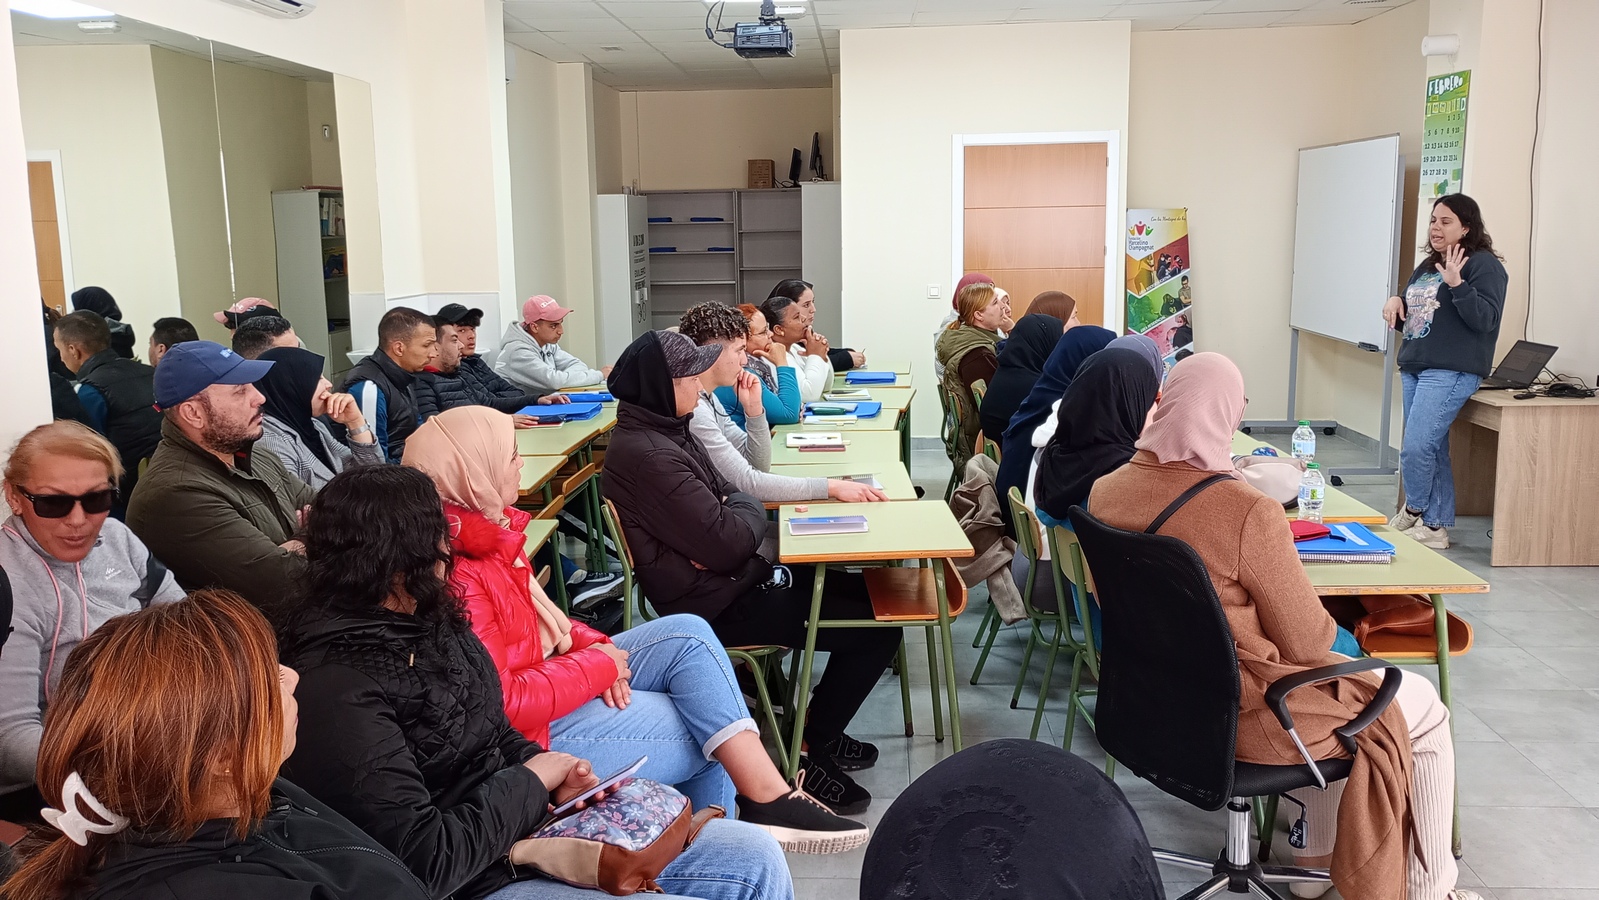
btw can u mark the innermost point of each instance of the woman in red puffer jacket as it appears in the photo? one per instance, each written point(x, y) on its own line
point(664, 689)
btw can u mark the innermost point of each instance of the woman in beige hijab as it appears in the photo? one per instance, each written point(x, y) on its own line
point(664, 689)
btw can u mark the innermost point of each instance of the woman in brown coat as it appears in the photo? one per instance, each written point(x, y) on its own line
point(1393, 813)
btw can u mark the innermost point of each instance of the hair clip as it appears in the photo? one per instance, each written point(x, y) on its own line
point(73, 823)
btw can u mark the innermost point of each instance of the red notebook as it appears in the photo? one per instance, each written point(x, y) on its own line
point(1306, 530)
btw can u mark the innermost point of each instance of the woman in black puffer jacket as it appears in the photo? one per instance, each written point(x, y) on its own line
point(403, 726)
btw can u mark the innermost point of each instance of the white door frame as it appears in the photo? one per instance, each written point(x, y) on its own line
point(53, 157)
point(1112, 140)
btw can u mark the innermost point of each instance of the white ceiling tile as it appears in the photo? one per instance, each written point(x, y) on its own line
point(658, 9)
point(1255, 6)
point(674, 36)
point(563, 23)
point(961, 17)
point(1077, 12)
point(1346, 16)
point(1163, 9)
point(994, 7)
point(1161, 23)
point(1237, 20)
point(596, 38)
point(573, 9)
point(864, 19)
point(514, 25)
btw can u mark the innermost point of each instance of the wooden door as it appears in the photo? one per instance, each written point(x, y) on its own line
point(47, 234)
point(1035, 221)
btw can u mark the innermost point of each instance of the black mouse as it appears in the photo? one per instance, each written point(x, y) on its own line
point(1526, 395)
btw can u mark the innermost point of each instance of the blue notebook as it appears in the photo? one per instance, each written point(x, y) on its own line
point(862, 409)
point(861, 377)
point(591, 397)
point(1347, 542)
point(706, 219)
point(660, 219)
point(562, 412)
point(663, 249)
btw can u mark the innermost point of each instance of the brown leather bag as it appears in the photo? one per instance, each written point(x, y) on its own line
point(1406, 622)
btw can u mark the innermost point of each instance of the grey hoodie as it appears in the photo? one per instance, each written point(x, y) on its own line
point(744, 458)
point(538, 368)
point(51, 615)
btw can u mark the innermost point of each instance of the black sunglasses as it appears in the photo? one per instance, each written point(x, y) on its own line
point(59, 506)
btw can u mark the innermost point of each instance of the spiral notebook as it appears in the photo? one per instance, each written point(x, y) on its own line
point(1349, 542)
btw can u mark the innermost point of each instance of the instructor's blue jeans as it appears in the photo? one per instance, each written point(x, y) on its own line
point(686, 703)
point(1432, 398)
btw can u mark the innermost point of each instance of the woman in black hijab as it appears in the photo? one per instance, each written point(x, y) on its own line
point(297, 400)
point(1011, 818)
point(1020, 364)
point(1099, 419)
point(99, 300)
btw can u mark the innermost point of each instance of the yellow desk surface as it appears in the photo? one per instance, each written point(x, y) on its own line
point(896, 481)
point(1415, 570)
point(563, 439)
point(896, 531)
point(864, 451)
point(537, 534)
point(887, 420)
point(538, 470)
point(1337, 507)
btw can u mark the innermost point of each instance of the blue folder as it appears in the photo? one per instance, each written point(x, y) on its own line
point(659, 219)
point(591, 397)
point(860, 377)
point(1346, 538)
point(862, 409)
point(562, 412)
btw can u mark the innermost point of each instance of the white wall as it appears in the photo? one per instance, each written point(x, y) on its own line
point(97, 106)
point(321, 109)
point(608, 140)
point(23, 369)
point(697, 140)
point(905, 93)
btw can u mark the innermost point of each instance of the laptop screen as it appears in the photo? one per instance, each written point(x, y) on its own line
point(1525, 361)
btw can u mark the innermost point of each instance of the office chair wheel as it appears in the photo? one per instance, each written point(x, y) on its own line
point(1337, 481)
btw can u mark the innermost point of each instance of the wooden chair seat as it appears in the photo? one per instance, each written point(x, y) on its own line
point(550, 511)
point(911, 595)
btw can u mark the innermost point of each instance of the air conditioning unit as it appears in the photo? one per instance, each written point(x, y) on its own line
point(278, 9)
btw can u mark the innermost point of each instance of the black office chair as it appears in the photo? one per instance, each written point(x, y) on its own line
point(1168, 697)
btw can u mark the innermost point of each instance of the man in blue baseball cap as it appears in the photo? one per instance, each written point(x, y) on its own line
point(217, 511)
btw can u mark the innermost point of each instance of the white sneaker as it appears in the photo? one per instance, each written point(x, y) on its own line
point(1309, 890)
point(1435, 538)
point(1463, 894)
point(1404, 520)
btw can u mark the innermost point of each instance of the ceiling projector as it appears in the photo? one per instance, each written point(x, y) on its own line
point(769, 38)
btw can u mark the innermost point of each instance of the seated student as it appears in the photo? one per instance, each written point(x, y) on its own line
point(244, 310)
point(441, 385)
point(115, 393)
point(383, 383)
point(71, 569)
point(258, 334)
point(665, 688)
point(1058, 304)
point(160, 760)
point(743, 455)
point(298, 399)
point(966, 351)
point(697, 544)
point(474, 368)
point(216, 511)
point(1100, 416)
point(1016, 458)
point(531, 356)
point(166, 332)
point(950, 318)
point(806, 350)
point(804, 293)
point(1020, 364)
point(405, 727)
point(1280, 629)
point(99, 301)
point(768, 361)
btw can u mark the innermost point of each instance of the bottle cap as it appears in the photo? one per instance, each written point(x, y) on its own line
point(1305, 422)
point(1312, 465)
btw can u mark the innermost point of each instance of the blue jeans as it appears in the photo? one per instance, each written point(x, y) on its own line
point(686, 703)
point(1432, 399)
point(729, 861)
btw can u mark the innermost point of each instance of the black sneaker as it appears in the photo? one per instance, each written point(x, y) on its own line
point(825, 781)
point(595, 587)
point(851, 755)
point(802, 824)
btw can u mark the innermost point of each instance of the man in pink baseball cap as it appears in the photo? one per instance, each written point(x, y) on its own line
point(531, 356)
point(248, 308)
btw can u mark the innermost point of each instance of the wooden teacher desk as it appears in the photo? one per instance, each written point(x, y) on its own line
point(1534, 466)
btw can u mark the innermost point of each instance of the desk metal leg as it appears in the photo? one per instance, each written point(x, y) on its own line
point(802, 690)
point(932, 680)
point(1440, 627)
point(945, 629)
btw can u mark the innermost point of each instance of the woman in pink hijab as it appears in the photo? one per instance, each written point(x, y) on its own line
point(664, 688)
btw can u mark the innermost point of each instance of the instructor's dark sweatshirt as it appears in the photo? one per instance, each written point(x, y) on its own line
point(1454, 328)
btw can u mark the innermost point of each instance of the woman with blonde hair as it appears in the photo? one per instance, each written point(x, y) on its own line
point(71, 568)
point(966, 351)
point(160, 757)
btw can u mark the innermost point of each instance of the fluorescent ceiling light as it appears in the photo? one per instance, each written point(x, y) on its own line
point(60, 9)
point(100, 26)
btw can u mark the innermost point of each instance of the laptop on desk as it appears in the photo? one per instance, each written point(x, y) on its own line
point(1521, 366)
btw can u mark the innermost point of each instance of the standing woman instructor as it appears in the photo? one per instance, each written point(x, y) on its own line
point(1449, 316)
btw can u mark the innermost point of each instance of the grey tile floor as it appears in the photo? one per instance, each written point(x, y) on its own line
point(1526, 718)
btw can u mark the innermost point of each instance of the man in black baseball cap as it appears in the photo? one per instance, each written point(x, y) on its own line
point(483, 384)
point(217, 511)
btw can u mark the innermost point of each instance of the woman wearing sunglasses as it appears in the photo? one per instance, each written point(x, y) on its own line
point(71, 570)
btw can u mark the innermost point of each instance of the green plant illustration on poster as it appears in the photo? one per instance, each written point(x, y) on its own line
point(1159, 282)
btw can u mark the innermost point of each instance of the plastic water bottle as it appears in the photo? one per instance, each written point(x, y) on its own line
point(1303, 445)
point(1312, 491)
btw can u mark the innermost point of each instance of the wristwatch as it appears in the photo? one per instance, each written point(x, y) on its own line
point(357, 432)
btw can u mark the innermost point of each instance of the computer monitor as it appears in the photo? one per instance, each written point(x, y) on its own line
point(794, 167)
point(818, 170)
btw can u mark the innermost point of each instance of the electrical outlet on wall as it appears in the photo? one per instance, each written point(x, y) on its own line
point(933, 291)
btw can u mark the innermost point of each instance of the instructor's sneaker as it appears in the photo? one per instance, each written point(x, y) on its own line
point(802, 824)
point(1427, 536)
point(825, 781)
point(595, 587)
point(851, 755)
point(1463, 894)
point(1404, 520)
point(1309, 890)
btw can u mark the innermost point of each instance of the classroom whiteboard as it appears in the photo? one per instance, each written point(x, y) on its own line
point(1346, 239)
